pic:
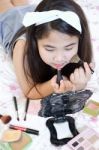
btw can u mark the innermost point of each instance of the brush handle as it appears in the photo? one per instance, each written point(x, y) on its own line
point(16, 107)
point(26, 108)
point(27, 104)
point(15, 103)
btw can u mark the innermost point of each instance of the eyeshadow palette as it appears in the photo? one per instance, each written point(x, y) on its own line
point(92, 108)
point(86, 140)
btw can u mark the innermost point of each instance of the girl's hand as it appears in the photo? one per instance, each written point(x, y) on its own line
point(65, 85)
point(80, 77)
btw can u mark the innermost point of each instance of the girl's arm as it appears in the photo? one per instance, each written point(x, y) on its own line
point(28, 88)
point(19, 2)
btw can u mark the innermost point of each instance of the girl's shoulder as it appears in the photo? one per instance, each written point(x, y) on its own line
point(11, 22)
point(19, 10)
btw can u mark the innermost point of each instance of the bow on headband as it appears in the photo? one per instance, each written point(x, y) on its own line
point(38, 18)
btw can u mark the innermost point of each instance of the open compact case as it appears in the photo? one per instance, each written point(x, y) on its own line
point(57, 106)
point(88, 139)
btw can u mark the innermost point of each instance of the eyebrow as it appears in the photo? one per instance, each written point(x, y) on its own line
point(65, 46)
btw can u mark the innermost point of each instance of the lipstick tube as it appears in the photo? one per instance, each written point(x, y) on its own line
point(59, 77)
point(27, 130)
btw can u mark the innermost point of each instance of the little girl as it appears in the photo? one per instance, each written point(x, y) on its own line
point(53, 36)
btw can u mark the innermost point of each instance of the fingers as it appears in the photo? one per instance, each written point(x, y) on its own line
point(78, 76)
point(92, 65)
point(78, 80)
point(87, 70)
point(81, 76)
point(65, 85)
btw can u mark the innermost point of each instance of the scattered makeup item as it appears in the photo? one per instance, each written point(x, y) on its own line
point(27, 130)
point(22, 143)
point(59, 77)
point(76, 59)
point(26, 108)
point(16, 107)
point(10, 135)
point(92, 108)
point(92, 71)
point(5, 118)
point(86, 140)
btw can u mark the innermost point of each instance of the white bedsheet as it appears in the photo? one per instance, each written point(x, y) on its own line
point(9, 87)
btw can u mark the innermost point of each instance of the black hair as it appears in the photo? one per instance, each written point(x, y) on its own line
point(38, 70)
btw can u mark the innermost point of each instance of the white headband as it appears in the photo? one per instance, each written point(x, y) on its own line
point(38, 18)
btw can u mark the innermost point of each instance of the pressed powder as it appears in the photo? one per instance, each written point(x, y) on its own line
point(10, 135)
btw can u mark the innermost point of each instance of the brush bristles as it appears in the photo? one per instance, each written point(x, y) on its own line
point(75, 59)
point(6, 119)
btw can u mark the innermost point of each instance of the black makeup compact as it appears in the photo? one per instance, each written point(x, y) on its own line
point(58, 105)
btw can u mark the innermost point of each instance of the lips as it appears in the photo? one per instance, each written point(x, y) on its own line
point(58, 66)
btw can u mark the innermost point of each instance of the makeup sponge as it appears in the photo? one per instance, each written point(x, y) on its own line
point(10, 135)
point(22, 143)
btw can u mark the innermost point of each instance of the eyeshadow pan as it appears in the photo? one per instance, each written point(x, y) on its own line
point(92, 106)
point(80, 148)
point(93, 139)
point(75, 144)
point(87, 139)
point(91, 148)
point(81, 139)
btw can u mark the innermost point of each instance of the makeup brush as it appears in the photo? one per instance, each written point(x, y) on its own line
point(59, 77)
point(76, 59)
point(5, 118)
point(16, 107)
point(26, 108)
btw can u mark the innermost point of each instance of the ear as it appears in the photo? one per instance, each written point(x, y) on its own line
point(75, 59)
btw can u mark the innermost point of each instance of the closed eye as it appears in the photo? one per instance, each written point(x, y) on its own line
point(48, 49)
point(68, 49)
point(70, 46)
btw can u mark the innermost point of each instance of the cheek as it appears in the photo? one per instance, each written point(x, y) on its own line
point(70, 54)
point(44, 56)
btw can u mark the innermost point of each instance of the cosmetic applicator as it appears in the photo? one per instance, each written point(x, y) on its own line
point(59, 77)
point(5, 119)
point(76, 59)
point(16, 107)
point(26, 108)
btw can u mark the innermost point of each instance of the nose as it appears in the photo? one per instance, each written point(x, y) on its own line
point(59, 57)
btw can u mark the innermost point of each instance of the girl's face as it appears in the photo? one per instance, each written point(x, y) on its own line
point(56, 49)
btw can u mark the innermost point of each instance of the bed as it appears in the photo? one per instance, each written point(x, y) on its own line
point(9, 87)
